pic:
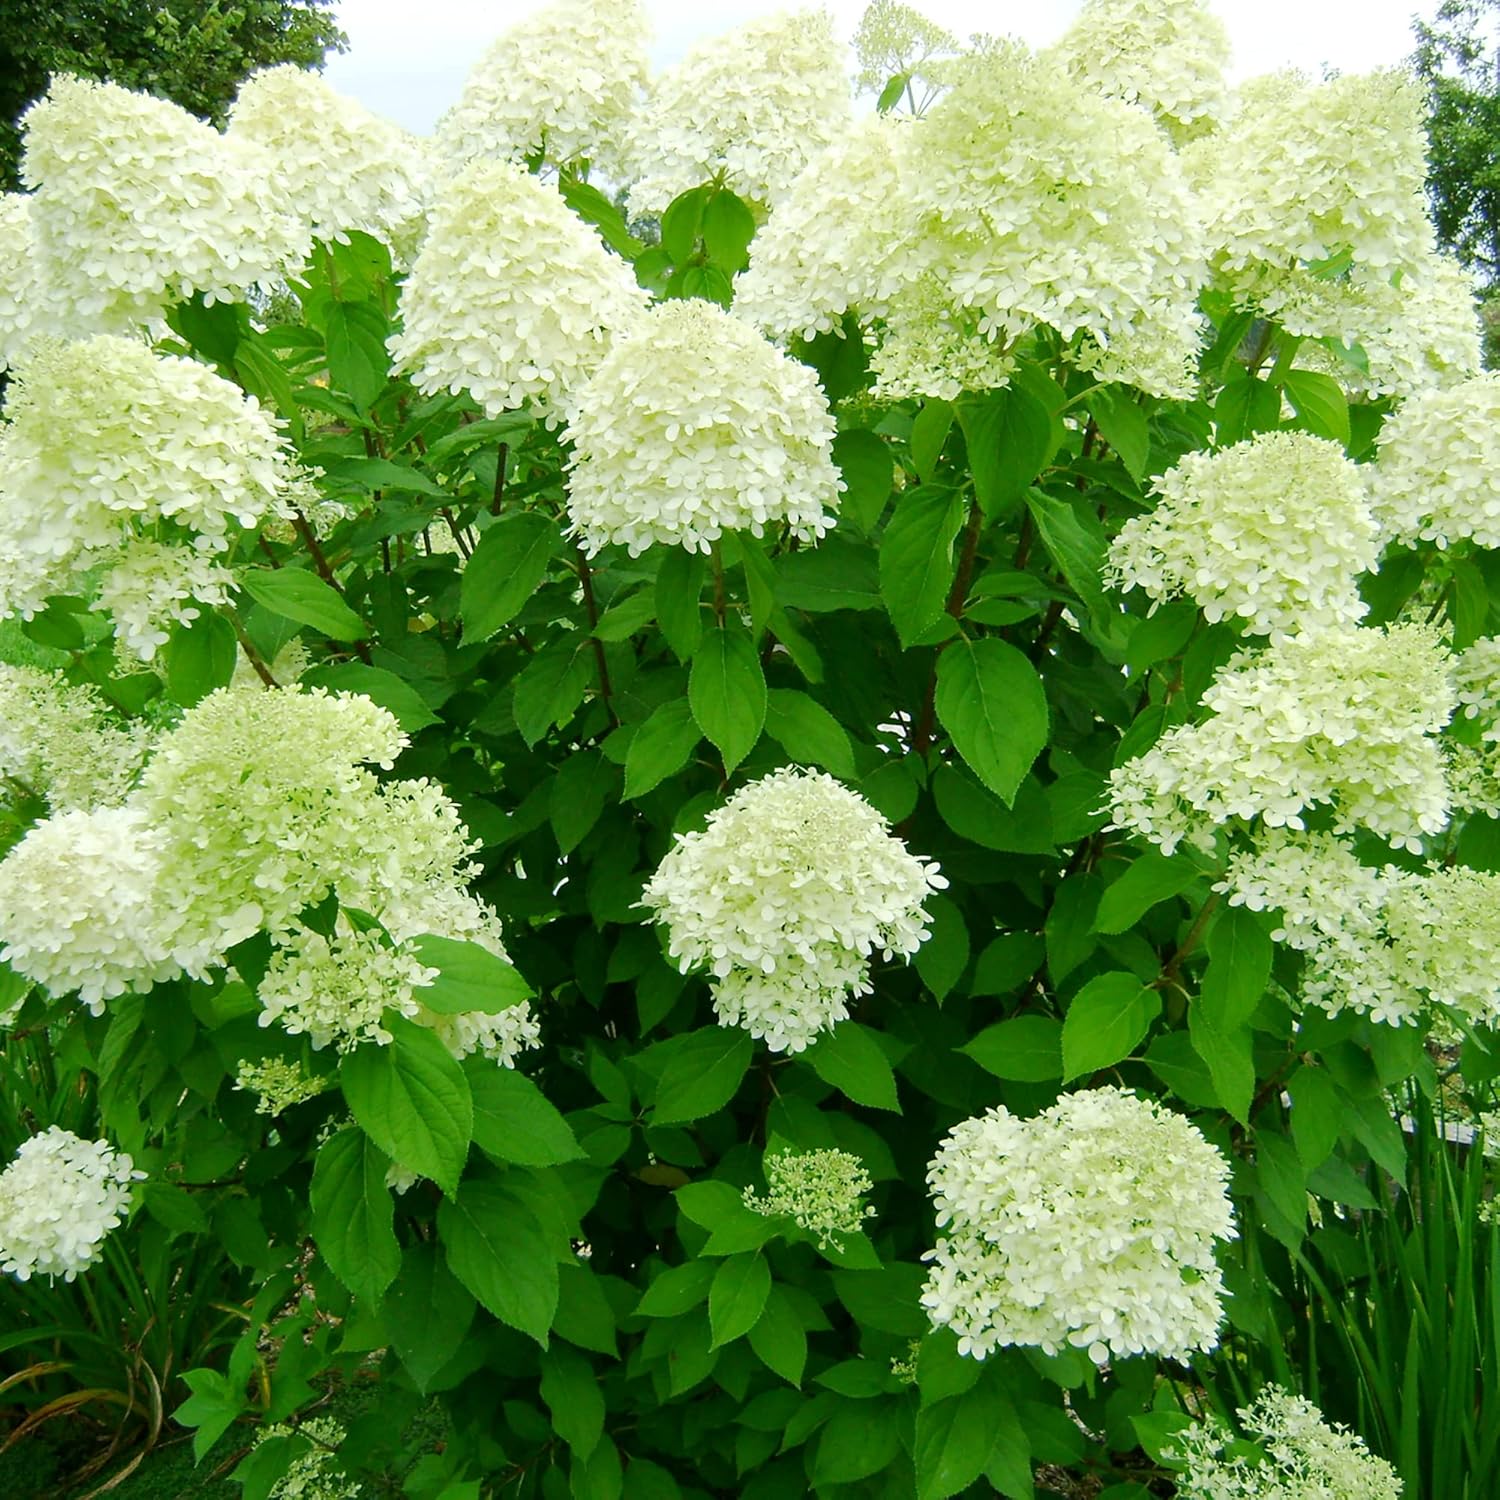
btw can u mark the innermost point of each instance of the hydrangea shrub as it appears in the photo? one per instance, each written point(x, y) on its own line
point(740, 791)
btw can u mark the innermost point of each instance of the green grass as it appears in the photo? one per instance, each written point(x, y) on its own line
point(38, 1468)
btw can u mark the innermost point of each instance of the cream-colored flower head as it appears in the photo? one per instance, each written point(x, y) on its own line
point(29, 310)
point(1091, 1225)
point(1307, 172)
point(338, 166)
point(59, 1199)
point(106, 439)
point(1438, 478)
point(826, 247)
point(786, 894)
point(821, 1191)
point(560, 86)
point(1347, 718)
point(693, 425)
point(1275, 531)
point(512, 297)
point(139, 204)
point(755, 104)
point(1038, 202)
point(152, 586)
point(58, 741)
point(1167, 56)
point(1301, 1455)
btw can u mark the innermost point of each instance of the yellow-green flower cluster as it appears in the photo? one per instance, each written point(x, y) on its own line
point(1167, 56)
point(277, 1084)
point(1436, 478)
point(1346, 719)
point(1090, 1225)
point(58, 742)
point(29, 312)
point(139, 204)
point(560, 86)
point(1301, 1457)
point(694, 425)
point(789, 890)
point(512, 296)
point(755, 103)
point(1274, 530)
point(823, 1191)
point(336, 166)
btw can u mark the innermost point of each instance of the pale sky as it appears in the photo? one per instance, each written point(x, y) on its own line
point(408, 60)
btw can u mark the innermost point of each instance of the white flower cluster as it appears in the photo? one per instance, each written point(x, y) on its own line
point(560, 86)
point(277, 1084)
point(1302, 1457)
point(822, 1191)
point(337, 991)
point(1387, 942)
point(1437, 479)
point(1306, 172)
point(1034, 201)
point(28, 308)
point(314, 1474)
point(59, 1198)
point(512, 297)
point(139, 204)
point(786, 893)
point(894, 39)
point(1167, 56)
point(337, 166)
point(755, 104)
point(108, 444)
point(257, 805)
point(1347, 718)
point(1274, 530)
point(693, 425)
point(828, 244)
point(1092, 1225)
point(58, 742)
point(1476, 676)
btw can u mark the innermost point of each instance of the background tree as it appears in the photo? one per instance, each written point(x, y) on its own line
point(192, 52)
point(1457, 59)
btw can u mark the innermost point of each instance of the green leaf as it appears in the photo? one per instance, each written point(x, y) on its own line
point(976, 814)
point(738, 1296)
point(1076, 542)
point(379, 686)
point(1106, 1019)
point(676, 1290)
point(778, 1338)
point(1283, 1180)
point(594, 208)
point(470, 978)
point(296, 595)
point(859, 1440)
point(679, 600)
point(213, 1407)
point(1122, 424)
point(1320, 402)
point(929, 434)
point(727, 691)
point(1317, 1115)
point(366, 474)
point(352, 1214)
point(514, 1121)
point(850, 1059)
point(957, 1437)
point(839, 574)
point(621, 621)
point(990, 700)
point(728, 228)
point(412, 1099)
point(661, 747)
point(809, 733)
point(200, 658)
point(551, 686)
point(1009, 436)
point(358, 363)
point(508, 564)
point(498, 1250)
point(427, 1312)
point(570, 1388)
point(868, 469)
point(1025, 1048)
point(1149, 879)
point(890, 95)
point(1246, 405)
point(942, 959)
point(1226, 1052)
point(682, 224)
point(1239, 967)
point(702, 1074)
point(580, 792)
point(916, 559)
